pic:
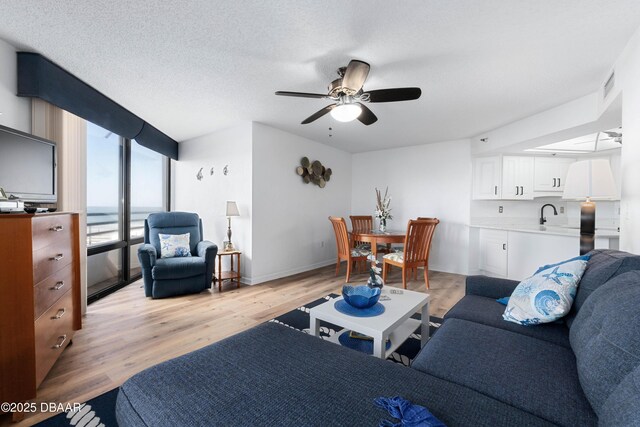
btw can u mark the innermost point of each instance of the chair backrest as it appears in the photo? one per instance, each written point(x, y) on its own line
point(173, 223)
point(361, 223)
point(342, 236)
point(417, 242)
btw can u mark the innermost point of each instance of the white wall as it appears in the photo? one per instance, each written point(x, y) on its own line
point(16, 112)
point(432, 180)
point(208, 197)
point(627, 70)
point(291, 229)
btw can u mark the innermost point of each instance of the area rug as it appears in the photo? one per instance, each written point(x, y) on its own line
point(97, 412)
point(298, 319)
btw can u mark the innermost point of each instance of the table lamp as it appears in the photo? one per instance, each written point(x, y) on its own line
point(589, 180)
point(232, 210)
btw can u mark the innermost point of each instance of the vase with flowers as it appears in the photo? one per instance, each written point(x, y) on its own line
point(383, 209)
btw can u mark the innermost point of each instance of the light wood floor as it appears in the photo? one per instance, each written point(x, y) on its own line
point(125, 332)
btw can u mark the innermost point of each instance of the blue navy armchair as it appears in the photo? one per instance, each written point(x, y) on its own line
point(165, 277)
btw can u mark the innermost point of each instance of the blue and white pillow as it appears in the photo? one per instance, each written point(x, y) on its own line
point(547, 295)
point(174, 245)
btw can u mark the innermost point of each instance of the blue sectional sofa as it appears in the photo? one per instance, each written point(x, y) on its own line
point(476, 370)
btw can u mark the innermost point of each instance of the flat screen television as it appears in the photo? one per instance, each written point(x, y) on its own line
point(27, 167)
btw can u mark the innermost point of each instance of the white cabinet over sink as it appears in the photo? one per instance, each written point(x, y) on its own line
point(519, 177)
point(487, 178)
point(550, 173)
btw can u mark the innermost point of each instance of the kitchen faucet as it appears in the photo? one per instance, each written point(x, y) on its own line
point(542, 218)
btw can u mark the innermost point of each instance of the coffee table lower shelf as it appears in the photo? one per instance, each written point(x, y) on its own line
point(397, 337)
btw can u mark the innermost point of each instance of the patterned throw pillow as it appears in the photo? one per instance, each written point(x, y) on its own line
point(547, 295)
point(174, 245)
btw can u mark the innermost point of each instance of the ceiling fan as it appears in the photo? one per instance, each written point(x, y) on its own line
point(348, 94)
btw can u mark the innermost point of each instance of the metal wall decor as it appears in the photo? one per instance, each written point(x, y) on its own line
point(313, 172)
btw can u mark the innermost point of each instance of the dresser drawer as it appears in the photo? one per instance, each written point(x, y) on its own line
point(52, 258)
point(54, 330)
point(51, 289)
point(48, 229)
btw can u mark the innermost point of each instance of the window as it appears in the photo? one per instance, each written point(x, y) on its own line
point(125, 182)
point(148, 175)
point(104, 186)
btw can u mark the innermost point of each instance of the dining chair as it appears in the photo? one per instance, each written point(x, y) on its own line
point(364, 224)
point(346, 250)
point(417, 243)
point(414, 271)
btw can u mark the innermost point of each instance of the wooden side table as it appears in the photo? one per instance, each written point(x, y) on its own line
point(232, 274)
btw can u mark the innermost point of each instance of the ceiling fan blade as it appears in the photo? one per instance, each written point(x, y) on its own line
point(301, 94)
point(355, 75)
point(393, 95)
point(367, 117)
point(318, 114)
point(612, 134)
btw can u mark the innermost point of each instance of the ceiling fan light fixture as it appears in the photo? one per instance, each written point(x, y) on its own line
point(346, 112)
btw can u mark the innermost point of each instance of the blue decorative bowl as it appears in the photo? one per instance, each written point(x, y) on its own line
point(360, 296)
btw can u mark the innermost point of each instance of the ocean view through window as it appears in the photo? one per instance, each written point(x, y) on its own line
point(125, 183)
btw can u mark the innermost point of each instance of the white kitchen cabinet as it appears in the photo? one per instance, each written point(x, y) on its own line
point(550, 173)
point(487, 173)
point(517, 177)
point(517, 254)
point(493, 252)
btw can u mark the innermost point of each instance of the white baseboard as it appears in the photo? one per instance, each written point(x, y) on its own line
point(290, 272)
point(285, 273)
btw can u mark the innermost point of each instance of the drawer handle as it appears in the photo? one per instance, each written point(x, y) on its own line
point(59, 314)
point(57, 257)
point(56, 228)
point(59, 285)
point(61, 341)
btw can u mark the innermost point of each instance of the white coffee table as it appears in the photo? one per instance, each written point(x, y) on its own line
point(395, 323)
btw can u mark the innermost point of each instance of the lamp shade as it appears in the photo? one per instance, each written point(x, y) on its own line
point(590, 179)
point(232, 209)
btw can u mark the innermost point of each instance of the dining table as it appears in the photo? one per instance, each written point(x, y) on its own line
point(376, 237)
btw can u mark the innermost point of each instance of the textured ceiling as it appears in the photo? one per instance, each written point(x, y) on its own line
point(193, 67)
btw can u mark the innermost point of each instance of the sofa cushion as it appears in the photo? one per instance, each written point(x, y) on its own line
point(178, 268)
point(621, 408)
point(489, 312)
point(271, 375)
point(605, 264)
point(530, 374)
point(605, 337)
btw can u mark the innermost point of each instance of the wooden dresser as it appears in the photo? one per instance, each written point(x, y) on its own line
point(39, 297)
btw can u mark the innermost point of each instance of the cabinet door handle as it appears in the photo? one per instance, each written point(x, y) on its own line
point(495, 190)
point(57, 257)
point(554, 182)
point(504, 246)
point(59, 285)
point(521, 190)
point(59, 314)
point(57, 228)
point(61, 341)
point(558, 182)
point(517, 191)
